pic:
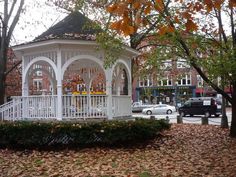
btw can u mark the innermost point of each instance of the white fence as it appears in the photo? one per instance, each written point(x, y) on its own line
point(73, 106)
point(6, 111)
point(40, 106)
point(84, 106)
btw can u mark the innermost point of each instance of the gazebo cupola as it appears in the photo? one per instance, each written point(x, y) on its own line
point(63, 74)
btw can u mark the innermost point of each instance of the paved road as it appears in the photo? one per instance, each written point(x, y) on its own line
point(195, 119)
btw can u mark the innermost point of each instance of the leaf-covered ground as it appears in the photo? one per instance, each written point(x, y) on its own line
point(186, 150)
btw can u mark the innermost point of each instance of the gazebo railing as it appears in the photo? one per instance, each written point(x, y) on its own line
point(6, 111)
point(73, 106)
point(43, 106)
point(84, 106)
point(121, 105)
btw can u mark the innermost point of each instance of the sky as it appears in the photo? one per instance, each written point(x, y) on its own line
point(36, 19)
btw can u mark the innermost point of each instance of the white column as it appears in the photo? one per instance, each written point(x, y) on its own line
point(88, 96)
point(59, 85)
point(25, 89)
point(108, 73)
point(25, 80)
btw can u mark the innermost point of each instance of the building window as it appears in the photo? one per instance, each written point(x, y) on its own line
point(182, 63)
point(188, 79)
point(165, 82)
point(38, 84)
point(146, 82)
point(166, 64)
point(185, 80)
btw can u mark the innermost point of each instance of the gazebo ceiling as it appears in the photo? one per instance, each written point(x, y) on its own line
point(74, 26)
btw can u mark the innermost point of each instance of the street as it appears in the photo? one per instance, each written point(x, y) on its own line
point(195, 119)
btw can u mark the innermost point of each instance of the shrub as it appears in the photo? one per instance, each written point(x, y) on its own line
point(26, 134)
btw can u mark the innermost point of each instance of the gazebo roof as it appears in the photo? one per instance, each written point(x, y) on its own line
point(74, 26)
point(74, 29)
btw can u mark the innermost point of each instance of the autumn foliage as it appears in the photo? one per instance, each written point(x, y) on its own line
point(133, 14)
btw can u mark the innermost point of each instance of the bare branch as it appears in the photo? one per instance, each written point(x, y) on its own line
point(221, 28)
point(15, 20)
point(12, 68)
point(12, 8)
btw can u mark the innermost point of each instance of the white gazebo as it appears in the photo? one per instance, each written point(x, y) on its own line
point(64, 51)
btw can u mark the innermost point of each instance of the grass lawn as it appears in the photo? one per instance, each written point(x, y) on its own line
point(186, 150)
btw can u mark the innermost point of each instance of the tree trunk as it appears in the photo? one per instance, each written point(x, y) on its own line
point(224, 119)
point(3, 60)
point(233, 122)
point(2, 90)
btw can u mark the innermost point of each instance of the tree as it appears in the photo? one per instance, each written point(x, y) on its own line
point(194, 30)
point(190, 28)
point(9, 17)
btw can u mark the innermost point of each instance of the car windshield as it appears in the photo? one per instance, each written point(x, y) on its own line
point(160, 106)
point(187, 103)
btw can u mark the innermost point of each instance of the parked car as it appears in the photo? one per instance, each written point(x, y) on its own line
point(139, 106)
point(159, 109)
point(201, 106)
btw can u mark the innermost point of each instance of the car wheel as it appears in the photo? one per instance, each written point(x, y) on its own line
point(182, 114)
point(207, 114)
point(191, 115)
point(168, 111)
point(149, 112)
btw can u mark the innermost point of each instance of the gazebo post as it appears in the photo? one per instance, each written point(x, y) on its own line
point(109, 92)
point(25, 80)
point(25, 89)
point(59, 85)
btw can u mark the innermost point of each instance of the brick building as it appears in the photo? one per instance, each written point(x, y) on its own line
point(175, 83)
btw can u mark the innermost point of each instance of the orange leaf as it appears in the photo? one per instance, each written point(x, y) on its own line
point(127, 29)
point(137, 5)
point(165, 29)
point(115, 25)
point(232, 3)
point(186, 15)
point(147, 10)
point(191, 26)
point(159, 6)
point(218, 4)
point(111, 8)
point(122, 9)
point(198, 6)
point(209, 5)
point(176, 19)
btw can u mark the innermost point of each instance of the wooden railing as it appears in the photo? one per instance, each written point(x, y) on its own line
point(73, 106)
point(84, 106)
point(6, 111)
point(43, 106)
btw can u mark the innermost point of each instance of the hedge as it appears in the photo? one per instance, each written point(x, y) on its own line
point(31, 135)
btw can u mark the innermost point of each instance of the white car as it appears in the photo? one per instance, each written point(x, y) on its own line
point(159, 109)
